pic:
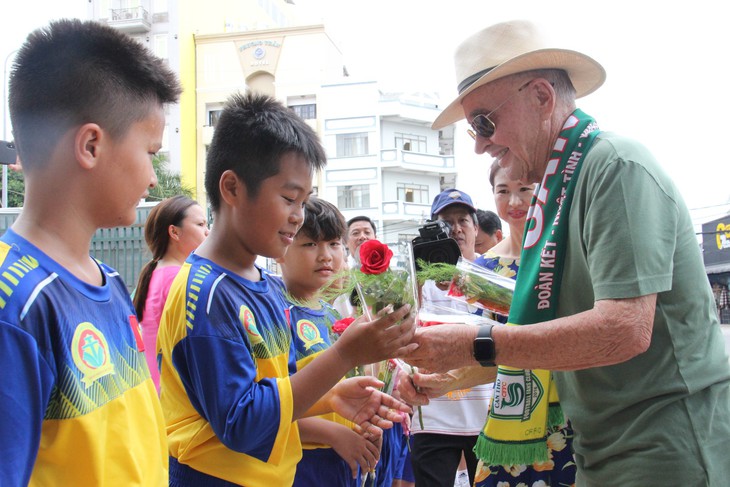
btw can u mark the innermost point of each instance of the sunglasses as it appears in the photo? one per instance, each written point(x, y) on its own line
point(482, 125)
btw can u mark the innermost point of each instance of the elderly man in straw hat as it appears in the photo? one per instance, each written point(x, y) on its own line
point(623, 339)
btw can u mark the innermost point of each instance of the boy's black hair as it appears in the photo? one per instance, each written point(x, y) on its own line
point(362, 218)
point(489, 222)
point(252, 134)
point(322, 221)
point(74, 72)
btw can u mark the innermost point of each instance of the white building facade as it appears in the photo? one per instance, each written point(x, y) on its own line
point(384, 161)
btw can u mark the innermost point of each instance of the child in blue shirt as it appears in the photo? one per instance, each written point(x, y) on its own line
point(229, 387)
point(79, 407)
point(332, 449)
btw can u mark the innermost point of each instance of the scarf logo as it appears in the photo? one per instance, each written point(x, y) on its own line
point(516, 395)
point(90, 352)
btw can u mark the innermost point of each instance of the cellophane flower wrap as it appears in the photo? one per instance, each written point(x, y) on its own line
point(385, 371)
point(481, 287)
point(377, 283)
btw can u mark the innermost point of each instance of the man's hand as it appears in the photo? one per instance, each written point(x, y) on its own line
point(443, 348)
point(436, 385)
point(408, 392)
point(358, 400)
point(443, 285)
point(429, 386)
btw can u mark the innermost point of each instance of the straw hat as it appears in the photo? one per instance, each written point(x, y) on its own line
point(510, 48)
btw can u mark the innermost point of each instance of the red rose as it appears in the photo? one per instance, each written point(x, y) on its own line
point(340, 326)
point(374, 257)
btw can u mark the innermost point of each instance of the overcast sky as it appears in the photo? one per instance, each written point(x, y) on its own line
point(666, 64)
point(665, 60)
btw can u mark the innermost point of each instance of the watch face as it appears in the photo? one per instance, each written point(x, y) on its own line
point(484, 352)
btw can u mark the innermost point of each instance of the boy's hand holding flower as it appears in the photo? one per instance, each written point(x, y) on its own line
point(366, 342)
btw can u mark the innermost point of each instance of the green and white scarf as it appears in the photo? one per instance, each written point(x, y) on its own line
point(525, 403)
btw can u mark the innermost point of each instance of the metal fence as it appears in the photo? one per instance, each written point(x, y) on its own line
point(122, 248)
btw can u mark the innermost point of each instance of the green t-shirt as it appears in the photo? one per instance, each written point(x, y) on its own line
point(663, 417)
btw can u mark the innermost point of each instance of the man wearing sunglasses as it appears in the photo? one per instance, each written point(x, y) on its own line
point(622, 337)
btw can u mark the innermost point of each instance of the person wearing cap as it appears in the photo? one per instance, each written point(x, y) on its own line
point(451, 422)
point(610, 271)
point(457, 209)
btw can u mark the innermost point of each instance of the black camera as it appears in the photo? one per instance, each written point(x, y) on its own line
point(7, 152)
point(434, 244)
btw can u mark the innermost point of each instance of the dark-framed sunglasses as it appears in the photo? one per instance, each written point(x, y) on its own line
point(482, 125)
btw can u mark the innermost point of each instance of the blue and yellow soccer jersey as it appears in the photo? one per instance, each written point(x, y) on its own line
point(311, 336)
point(226, 358)
point(79, 407)
point(311, 331)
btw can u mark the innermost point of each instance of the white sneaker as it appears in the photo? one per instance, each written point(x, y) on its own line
point(462, 479)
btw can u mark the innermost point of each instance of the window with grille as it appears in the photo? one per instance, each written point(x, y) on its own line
point(307, 112)
point(349, 145)
point(352, 197)
point(410, 142)
point(413, 193)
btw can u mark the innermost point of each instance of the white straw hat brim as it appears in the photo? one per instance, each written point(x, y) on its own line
point(585, 73)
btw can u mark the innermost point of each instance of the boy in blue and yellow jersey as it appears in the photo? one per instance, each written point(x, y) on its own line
point(332, 449)
point(229, 387)
point(79, 407)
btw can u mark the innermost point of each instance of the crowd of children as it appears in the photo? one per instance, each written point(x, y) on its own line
point(87, 107)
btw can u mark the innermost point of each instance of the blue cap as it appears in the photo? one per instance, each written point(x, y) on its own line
point(450, 197)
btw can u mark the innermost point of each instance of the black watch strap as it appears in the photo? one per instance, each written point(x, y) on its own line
point(484, 351)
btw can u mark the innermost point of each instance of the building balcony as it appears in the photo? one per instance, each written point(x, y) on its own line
point(416, 161)
point(415, 109)
point(396, 158)
point(403, 210)
point(135, 20)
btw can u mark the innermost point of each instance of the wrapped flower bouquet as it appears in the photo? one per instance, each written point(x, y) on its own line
point(379, 285)
point(482, 288)
point(472, 284)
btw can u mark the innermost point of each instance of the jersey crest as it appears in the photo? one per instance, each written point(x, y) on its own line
point(90, 352)
point(249, 324)
point(309, 334)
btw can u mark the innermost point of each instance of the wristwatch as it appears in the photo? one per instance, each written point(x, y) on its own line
point(484, 346)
